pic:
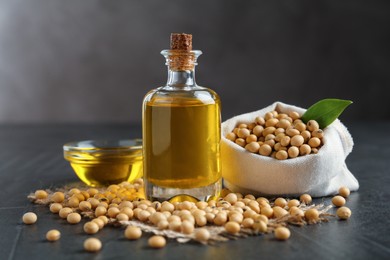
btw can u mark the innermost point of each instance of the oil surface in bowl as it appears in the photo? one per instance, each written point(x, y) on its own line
point(97, 166)
point(106, 172)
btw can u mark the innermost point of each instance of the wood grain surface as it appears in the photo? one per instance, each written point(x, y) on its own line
point(31, 158)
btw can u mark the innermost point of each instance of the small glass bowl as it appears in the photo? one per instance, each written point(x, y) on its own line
point(105, 162)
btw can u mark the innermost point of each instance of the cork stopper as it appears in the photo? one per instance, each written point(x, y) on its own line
point(181, 41)
point(181, 57)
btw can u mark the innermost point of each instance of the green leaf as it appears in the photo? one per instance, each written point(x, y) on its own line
point(325, 111)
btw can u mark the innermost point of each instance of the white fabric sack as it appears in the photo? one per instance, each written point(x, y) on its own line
point(318, 174)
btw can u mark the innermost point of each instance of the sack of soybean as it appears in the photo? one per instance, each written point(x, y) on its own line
point(318, 174)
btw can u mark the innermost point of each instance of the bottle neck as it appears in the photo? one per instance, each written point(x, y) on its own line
point(181, 67)
point(185, 78)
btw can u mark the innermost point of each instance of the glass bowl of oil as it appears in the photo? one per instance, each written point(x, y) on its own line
point(105, 162)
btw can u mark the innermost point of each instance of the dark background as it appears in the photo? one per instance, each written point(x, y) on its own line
point(93, 60)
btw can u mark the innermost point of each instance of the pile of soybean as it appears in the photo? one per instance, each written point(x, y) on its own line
point(232, 211)
point(279, 135)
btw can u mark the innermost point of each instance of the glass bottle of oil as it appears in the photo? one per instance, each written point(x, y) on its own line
point(181, 131)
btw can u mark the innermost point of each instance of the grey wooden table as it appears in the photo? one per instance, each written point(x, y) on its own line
point(31, 158)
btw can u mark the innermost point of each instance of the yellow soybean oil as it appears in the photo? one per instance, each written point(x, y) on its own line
point(99, 163)
point(108, 170)
point(181, 131)
point(182, 149)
